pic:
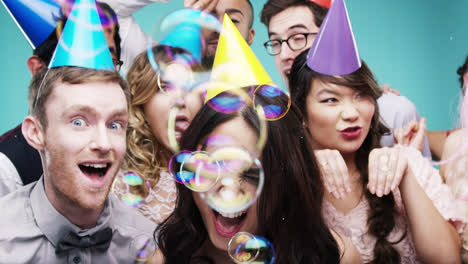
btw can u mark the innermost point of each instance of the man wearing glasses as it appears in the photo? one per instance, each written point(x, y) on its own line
point(292, 28)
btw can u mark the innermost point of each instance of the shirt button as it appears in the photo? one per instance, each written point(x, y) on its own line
point(76, 260)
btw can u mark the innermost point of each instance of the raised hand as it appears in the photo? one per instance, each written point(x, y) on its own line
point(386, 89)
point(204, 5)
point(412, 134)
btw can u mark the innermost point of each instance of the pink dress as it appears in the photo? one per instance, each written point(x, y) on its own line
point(457, 179)
point(354, 224)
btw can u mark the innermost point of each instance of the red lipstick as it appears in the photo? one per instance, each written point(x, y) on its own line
point(351, 132)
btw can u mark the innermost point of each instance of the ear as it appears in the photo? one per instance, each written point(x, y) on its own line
point(33, 132)
point(35, 64)
point(251, 36)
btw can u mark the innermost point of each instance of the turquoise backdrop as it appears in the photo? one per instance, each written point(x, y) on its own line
point(415, 46)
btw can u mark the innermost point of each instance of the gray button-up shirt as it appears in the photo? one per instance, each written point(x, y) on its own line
point(30, 228)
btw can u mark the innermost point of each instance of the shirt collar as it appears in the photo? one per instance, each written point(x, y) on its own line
point(53, 224)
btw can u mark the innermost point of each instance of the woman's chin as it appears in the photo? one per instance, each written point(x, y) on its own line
point(219, 242)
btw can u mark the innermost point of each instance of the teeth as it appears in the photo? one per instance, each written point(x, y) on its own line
point(232, 215)
point(96, 166)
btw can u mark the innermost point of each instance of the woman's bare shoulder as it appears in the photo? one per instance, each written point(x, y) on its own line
point(156, 257)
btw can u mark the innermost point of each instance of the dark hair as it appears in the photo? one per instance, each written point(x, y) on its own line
point(289, 208)
point(462, 70)
point(46, 49)
point(273, 7)
point(381, 217)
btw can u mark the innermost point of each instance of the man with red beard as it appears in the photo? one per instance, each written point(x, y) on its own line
point(77, 122)
point(20, 163)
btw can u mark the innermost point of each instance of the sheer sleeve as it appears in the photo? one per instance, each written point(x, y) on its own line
point(430, 180)
point(159, 202)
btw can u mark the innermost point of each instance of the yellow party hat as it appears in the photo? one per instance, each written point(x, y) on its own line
point(235, 63)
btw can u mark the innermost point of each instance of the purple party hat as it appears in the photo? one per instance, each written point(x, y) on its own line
point(334, 51)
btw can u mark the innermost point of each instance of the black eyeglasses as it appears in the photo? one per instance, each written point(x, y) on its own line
point(295, 42)
point(117, 64)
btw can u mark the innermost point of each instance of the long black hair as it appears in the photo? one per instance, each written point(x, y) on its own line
point(381, 216)
point(289, 208)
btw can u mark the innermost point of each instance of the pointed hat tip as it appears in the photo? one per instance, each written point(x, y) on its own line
point(235, 63)
point(334, 51)
point(324, 3)
point(83, 42)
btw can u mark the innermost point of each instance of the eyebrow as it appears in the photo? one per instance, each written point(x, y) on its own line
point(301, 26)
point(233, 10)
point(80, 108)
point(87, 109)
point(119, 113)
point(327, 90)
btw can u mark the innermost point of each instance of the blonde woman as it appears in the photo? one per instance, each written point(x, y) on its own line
point(153, 95)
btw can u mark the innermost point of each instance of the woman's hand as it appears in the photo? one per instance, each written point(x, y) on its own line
point(412, 134)
point(203, 5)
point(387, 166)
point(334, 172)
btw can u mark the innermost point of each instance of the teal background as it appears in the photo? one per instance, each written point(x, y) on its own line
point(415, 46)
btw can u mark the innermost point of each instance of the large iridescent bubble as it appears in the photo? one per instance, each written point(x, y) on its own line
point(240, 181)
point(274, 101)
point(228, 178)
point(131, 189)
point(185, 29)
point(198, 171)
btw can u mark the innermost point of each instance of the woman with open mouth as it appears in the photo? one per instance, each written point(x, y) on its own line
point(287, 211)
point(374, 195)
point(155, 86)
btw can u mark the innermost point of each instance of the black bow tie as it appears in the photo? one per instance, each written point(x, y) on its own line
point(99, 241)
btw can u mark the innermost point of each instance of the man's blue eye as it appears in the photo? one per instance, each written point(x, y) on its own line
point(78, 122)
point(115, 125)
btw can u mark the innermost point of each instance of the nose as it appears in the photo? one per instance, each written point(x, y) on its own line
point(101, 141)
point(350, 112)
point(229, 188)
point(286, 53)
point(180, 101)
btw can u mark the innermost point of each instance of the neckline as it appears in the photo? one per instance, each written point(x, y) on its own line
point(361, 203)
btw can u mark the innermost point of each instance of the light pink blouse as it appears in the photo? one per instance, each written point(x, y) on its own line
point(354, 224)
